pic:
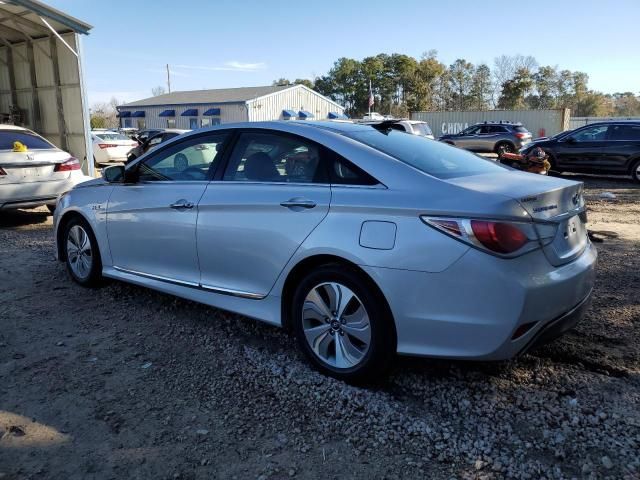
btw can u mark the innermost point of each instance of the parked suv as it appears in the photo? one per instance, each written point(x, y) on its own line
point(605, 147)
point(497, 137)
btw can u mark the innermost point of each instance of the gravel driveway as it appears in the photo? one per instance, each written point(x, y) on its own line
point(122, 382)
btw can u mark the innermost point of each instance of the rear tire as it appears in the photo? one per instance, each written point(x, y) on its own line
point(81, 253)
point(635, 171)
point(342, 325)
point(504, 147)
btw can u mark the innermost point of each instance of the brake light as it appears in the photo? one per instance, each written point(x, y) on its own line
point(508, 239)
point(107, 145)
point(521, 135)
point(71, 163)
point(499, 237)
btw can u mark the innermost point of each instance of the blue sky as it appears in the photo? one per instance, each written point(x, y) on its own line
point(216, 44)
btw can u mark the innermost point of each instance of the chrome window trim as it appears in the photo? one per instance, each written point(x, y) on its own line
point(332, 185)
point(184, 283)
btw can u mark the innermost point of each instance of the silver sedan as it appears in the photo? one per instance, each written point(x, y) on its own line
point(364, 241)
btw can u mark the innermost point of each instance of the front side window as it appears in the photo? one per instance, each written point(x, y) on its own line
point(474, 130)
point(189, 160)
point(433, 158)
point(591, 134)
point(271, 157)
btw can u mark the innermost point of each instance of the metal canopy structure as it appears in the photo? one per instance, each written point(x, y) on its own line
point(41, 77)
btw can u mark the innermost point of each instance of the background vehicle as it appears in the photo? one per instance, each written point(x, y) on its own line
point(365, 241)
point(607, 147)
point(33, 172)
point(153, 141)
point(143, 135)
point(490, 137)
point(414, 127)
point(110, 147)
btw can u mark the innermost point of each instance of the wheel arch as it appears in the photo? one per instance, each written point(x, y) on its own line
point(62, 224)
point(308, 264)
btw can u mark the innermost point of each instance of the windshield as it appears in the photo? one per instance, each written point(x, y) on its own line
point(28, 139)
point(434, 158)
point(422, 129)
point(112, 136)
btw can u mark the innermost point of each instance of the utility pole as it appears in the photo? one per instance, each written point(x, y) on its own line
point(168, 79)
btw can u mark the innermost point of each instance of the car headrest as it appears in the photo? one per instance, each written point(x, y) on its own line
point(259, 167)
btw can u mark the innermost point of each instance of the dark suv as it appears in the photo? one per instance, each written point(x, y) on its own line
point(606, 147)
point(497, 137)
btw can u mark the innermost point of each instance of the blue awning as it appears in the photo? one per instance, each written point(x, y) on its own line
point(190, 112)
point(289, 113)
point(212, 112)
point(138, 114)
point(337, 116)
point(124, 114)
point(304, 114)
point(167, 113)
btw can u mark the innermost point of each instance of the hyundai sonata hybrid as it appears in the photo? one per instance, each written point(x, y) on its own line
point(364, 241)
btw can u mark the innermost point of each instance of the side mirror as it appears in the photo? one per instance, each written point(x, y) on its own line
point(113, 174)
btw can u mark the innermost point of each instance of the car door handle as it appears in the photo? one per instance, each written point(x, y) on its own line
point(298, 202)
point(181, 205)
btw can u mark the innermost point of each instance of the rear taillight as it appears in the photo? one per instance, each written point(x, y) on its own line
point(508, 239)
point(71, 163)
point(107, 145)
point(499, 237)
point(521, 135)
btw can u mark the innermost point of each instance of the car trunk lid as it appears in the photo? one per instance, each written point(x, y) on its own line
point(32, 166)
point(548, 201)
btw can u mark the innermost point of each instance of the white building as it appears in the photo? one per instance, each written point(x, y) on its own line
point(201, 108)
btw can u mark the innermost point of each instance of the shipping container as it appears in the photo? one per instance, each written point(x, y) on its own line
point(541, 123)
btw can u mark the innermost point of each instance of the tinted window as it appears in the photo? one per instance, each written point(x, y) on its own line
point(30, 140)
point(397, 126)
point(520, 129)
point(497, 129)
point(270, 157)
point(343, 172)
point(471, 130)
point(591, 134)
point(624, 132)
point(434, 158)
point(190, 159)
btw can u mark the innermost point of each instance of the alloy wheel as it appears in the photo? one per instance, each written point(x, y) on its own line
point(336, 325)
point(79, 254)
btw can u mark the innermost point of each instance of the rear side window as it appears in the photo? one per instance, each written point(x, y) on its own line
point(422, 129)
point(433, 158)
point(520, 129)
point(497, 129)
point(625, 132)
point(274, 157)
point(30, 140)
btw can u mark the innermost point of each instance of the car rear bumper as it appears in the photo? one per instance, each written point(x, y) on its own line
point(35, 194)
point(486, 308)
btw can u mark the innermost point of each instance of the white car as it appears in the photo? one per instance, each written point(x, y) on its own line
point(110, 147)
point(33, 172)
point(416, 127)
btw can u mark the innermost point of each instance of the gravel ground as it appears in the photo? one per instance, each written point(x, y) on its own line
point(123, 382)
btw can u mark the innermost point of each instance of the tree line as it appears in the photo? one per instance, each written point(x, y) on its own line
point(402, 84)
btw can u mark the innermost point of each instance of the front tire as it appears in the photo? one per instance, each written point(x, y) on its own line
point(81, 253)
point(342, 325)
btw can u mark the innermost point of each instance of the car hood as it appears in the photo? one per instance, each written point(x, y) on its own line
point(541, 196)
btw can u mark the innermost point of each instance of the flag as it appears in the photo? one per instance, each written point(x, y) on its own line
point(371, 99)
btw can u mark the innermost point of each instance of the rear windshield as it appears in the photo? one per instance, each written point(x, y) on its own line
point(434, 158)
point(112, 136)
point(28, 139)
point(422, 129)
point(520, 129)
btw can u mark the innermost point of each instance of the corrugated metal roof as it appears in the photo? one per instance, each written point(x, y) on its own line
point(218, 95)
